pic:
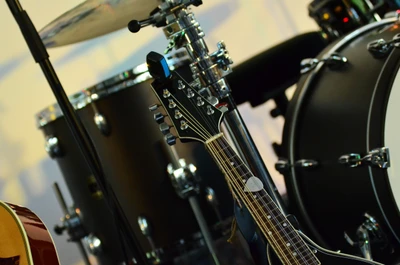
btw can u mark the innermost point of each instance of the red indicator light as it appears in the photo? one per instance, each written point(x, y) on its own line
point(346, 19)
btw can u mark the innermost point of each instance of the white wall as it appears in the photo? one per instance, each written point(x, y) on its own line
point(26, 173)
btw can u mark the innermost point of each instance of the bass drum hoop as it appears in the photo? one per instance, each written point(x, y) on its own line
point(295, 111)
point(390, 72)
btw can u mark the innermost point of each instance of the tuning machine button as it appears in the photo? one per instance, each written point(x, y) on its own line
point(170, 139)
point(164, 128)
point(154, 107)
point(159, 118)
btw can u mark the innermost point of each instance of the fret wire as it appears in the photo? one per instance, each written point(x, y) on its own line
point(237, 187)
point(278, 234)
point(302, 246)
point(287, 232)
point(296, 240)
point(269, 229)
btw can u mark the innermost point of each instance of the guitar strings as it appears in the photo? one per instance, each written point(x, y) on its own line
point(239, 190)
point(303, 248)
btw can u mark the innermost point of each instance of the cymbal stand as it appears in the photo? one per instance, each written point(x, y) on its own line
point(40, 55)
point(71, 223)
point(182, 30)
point(186, 184)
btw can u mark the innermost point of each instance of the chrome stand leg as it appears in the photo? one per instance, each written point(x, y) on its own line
point(185, 182)
point(204, 228)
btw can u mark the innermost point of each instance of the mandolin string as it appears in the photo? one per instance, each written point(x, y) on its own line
point(303, 248)
point(238, 189)
point(231, 153)
point(191, 119)
point(206, 118)
point(200, 129)
point(214, 130)
point(305, 258)
point(197, 130)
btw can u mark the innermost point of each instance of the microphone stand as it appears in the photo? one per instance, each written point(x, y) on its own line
point(41, 57)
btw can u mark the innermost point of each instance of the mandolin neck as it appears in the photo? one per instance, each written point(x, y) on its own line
point(280, 234)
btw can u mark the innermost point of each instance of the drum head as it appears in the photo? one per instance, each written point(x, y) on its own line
point(392, 138)
point(339, 113)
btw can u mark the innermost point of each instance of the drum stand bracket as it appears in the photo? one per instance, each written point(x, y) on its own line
point(368, 233)
point(186, 184)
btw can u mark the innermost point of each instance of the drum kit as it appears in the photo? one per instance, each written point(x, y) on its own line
point(142, 197)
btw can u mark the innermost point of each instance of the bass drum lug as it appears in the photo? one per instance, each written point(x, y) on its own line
point(283, 166)
point(377, 158)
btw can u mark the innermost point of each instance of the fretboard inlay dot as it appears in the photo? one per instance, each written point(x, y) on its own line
point(274, 225)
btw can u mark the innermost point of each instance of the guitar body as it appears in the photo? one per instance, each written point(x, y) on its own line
point(24, 239)
point(326, 257)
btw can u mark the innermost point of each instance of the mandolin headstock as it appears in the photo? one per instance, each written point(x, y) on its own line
point(190, 113)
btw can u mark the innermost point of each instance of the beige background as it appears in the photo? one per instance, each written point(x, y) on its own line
point(26, 173)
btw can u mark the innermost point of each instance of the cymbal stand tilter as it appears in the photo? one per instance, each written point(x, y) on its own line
point(40, 55)
point(182, 30)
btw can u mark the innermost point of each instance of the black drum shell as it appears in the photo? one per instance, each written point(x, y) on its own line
point(333, 121)
point(135, 165)
point(95, 215)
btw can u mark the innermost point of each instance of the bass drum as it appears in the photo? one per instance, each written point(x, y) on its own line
point(341, 125)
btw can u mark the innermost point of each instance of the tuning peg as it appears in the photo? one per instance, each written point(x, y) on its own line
point(154, 107)
point(164, 128)
point(159, 118)
point(170, 139)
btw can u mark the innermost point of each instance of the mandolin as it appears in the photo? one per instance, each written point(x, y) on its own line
point(24, 239)
point(196, 119)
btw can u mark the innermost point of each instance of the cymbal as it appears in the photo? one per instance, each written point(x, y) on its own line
point(94, 18)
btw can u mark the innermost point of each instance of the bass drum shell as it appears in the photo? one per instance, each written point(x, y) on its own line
point(339, 112)
point(95, 216)
point(135, 165)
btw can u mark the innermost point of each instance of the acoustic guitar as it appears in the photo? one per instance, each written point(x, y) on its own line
point(24, 239)
point(196, 119)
